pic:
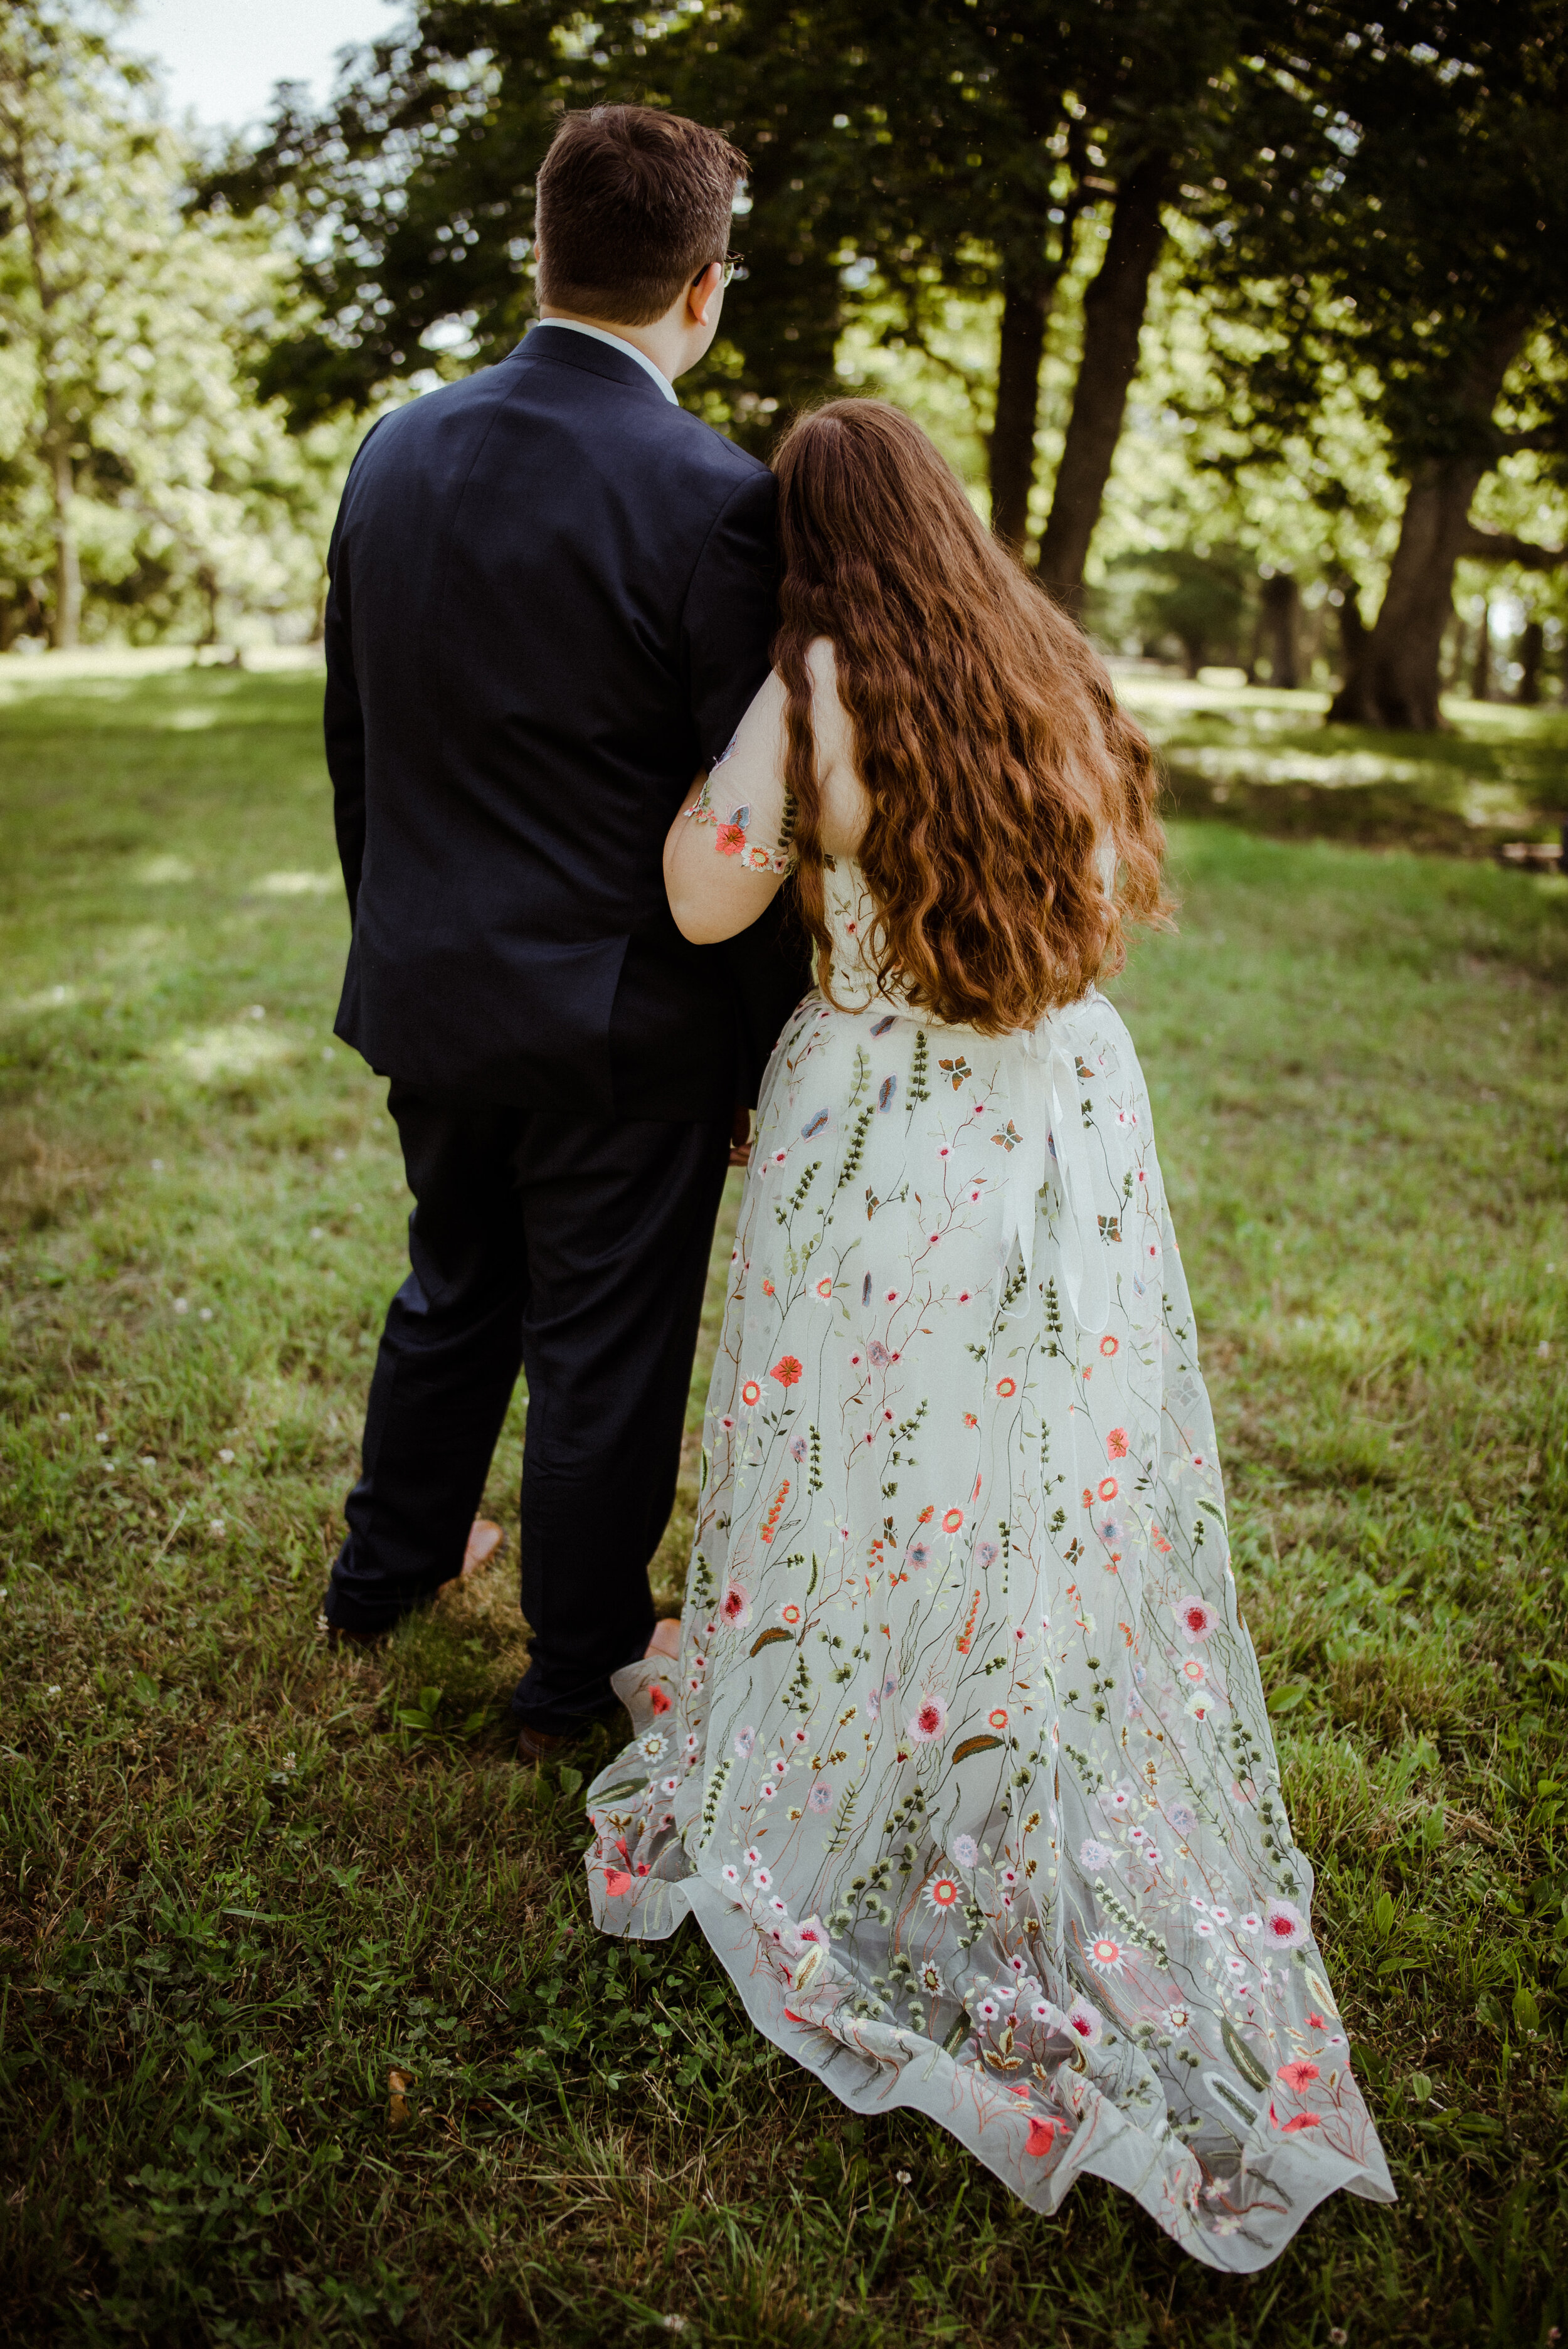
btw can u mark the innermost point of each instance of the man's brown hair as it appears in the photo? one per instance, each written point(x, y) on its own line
point(630, 206)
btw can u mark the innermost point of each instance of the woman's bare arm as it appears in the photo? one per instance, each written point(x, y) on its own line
point(727, 851)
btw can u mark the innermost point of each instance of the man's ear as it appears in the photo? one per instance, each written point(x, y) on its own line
point(703, 292)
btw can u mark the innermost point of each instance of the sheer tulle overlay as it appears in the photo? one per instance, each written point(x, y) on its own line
point(964, 1769)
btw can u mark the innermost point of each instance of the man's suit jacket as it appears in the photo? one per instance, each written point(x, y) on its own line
point(551, 600)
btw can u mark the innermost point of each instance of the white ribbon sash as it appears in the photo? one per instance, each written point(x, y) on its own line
point(1043, 1104)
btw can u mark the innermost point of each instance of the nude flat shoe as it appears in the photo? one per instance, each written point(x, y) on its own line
point(485, 1538)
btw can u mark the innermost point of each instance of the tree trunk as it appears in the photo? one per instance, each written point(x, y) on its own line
point(1113, 312)
point(1029, 282)
point(66, 631)
point(1282, 621)
point(1395, 683)
point(1026, 311)
point(1532, 646)
point(1480, 673)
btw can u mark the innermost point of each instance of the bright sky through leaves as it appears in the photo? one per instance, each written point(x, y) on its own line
point(222, 57)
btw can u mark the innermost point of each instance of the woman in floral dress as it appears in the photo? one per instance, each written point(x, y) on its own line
point(963, 1767)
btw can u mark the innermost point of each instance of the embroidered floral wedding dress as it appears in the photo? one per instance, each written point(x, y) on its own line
point(964, 1769)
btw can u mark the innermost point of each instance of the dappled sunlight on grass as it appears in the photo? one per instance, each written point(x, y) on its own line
point(1266, 759)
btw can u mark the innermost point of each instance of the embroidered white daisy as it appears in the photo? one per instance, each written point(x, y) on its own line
point(1106, 1955)
point(652, 1746)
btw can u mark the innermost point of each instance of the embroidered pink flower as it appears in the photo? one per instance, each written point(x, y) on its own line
point(729, 839)
point(1084, 2022)
point(1298, 2121)
point(1196, 1620)
point(929, 1720)
point(735, 1606)
point(1297, 2076)
point(617, 1882)
point(1042, 2133)
point(1116, 1444)
point(786, 1370)
point(1284, 1925)
point(658, 1701)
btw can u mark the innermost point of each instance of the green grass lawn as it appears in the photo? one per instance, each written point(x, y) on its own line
point(243, 1882)
point(1265, 761)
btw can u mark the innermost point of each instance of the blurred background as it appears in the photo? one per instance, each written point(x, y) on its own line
point(1243, 323)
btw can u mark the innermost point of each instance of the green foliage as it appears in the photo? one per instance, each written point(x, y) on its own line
point(238, 1893)
point(1410, 192)
point(143, 492)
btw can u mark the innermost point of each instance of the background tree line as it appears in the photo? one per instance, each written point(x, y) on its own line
point(1247, 300)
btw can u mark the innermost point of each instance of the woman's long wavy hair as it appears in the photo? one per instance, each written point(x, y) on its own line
point(984, 727)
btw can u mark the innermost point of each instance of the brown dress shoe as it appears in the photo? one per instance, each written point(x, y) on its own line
point(336, 1636)
point(541, 1745)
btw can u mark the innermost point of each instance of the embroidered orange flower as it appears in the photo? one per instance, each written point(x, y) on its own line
point(786, 1370)
point(951, 1521)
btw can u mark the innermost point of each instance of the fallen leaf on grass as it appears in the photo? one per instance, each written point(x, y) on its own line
point(399, 2084)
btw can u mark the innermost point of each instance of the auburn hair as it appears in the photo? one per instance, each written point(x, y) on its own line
point(630, 205)
point(984, 727)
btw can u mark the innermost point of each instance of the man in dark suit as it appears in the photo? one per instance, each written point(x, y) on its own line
point(551, 600)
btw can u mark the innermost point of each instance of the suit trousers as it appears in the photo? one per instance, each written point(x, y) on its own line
point(576, 1249)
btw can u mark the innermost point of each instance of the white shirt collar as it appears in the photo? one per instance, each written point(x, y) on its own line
point(616, 343)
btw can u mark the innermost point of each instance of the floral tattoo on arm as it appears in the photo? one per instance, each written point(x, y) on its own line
point(730, 832)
